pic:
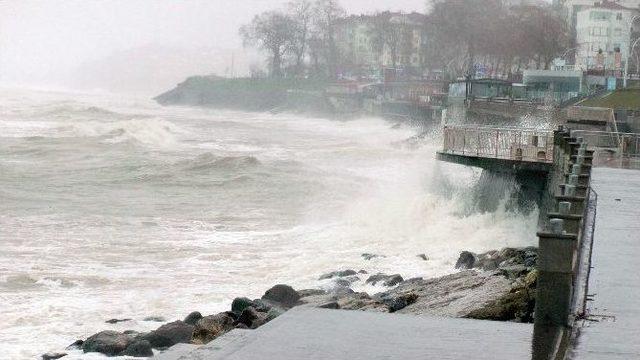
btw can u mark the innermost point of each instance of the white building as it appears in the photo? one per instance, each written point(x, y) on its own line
point(570, 8)
point(603, 33)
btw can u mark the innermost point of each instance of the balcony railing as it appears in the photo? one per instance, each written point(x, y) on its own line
point(520, 144)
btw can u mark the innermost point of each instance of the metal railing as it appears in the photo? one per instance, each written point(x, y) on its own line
point(612, 149)
point(520, 144)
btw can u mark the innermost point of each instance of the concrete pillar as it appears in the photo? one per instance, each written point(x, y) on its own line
point(554, 288)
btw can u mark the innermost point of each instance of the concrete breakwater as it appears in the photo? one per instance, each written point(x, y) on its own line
point(496, 285)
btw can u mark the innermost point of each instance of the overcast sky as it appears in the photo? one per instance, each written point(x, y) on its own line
point(40, 40)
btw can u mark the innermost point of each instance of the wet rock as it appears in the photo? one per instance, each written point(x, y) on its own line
point(115, 321)
point(330, 305)
point(53, 356)
point(452, 295)
point(283, 295)
point(368, 256)
point(466, 260)
point(424, 257)
point(252, 318)
point(274, 313)
point(240, 303)
point(169, 334)
point(386, 280)
point(110, 343)
point(347, 281)
point(138, 348)
point(241, 326)
point(154, 319)
point(76, 345)
point(193, 318)
point(311, 292)
point(210, 327)
point(516, 305)
point(513, 271)
point(397, 302)
point(364, 272)
point(361, 301)
point(334, 274)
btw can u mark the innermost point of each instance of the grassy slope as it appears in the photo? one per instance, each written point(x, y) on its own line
point(619, 99)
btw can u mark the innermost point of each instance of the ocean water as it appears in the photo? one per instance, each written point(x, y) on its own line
point(115, 207)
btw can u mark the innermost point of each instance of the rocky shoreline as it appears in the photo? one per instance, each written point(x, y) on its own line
point(496, 285)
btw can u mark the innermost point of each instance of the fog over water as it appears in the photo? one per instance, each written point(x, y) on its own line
point(135, 46)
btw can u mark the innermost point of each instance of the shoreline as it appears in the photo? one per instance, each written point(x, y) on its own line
point(496, 285)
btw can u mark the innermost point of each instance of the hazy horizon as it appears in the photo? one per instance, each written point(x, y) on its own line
point(138, 46)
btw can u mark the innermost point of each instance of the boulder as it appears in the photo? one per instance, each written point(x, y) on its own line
point(53, 356)
point(334, 274)
point(169, 334)
point(252, 318)
point(386, 280)
point(361, 301)
point(193, 318)
point(110, 343)
point(466, 260)
point(423, 257)
point(283, 295)
point(240, 303)
point(210, 327)
point(513, 271)
point(138, 348)
point(517, 305)
point(397, 302)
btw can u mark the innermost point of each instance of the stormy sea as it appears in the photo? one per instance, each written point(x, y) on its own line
point(116, 207)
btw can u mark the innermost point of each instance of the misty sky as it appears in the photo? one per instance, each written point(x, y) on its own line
point(48, 41)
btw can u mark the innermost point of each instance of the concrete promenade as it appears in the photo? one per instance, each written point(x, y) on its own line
point(612, 330)
point(320, 334)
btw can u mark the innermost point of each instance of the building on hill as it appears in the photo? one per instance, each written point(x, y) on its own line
point(603, 37)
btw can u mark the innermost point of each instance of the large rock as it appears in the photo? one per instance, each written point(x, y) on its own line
point(252, 318)
point(466, 260)
point(138, 348)
point(110, 343)
point(386, 280)
point(361, 301)
point(169, 334)
point(282, 295)
point(454, 295)
point(240, 303)
point(334, 274)
point(516, 305)
point(210, 327)
point(193, 318)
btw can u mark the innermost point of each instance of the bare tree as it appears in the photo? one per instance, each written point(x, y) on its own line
point(273, 32)
point(326, 15)
point(301, 11)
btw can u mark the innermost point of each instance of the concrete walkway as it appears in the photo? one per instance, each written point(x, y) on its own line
point(613, 329)
point(308, 333)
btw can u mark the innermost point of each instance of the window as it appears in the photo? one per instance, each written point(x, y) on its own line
point(619, 16)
